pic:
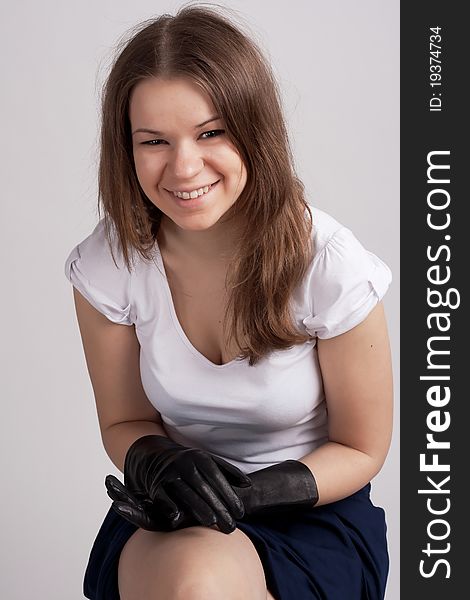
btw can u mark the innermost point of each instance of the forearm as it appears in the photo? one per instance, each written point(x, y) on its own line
point(340, 470)
point(118, 438)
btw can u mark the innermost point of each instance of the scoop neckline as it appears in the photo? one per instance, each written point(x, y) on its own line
point(177, 324)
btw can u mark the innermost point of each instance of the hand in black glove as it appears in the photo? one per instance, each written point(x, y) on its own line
point(163, 479)
point(283, 487)
point(138, 509)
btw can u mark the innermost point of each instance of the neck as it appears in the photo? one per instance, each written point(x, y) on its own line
point(214, 245)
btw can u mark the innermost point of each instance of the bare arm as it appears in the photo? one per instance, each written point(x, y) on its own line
point(112, 354)
point(357, 377)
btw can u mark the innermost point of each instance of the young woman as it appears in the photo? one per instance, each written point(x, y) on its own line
point(235, 339)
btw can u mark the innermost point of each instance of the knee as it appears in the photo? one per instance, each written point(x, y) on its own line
point(195, 583)
point(193, 564)
point(201, 572)
point(181, 577)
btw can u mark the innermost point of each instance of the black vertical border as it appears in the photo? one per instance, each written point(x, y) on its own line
point(421, 132)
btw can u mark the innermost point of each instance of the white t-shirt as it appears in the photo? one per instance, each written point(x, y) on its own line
point(256, 416)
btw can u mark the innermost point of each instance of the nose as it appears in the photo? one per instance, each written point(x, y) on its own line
point(186, 161)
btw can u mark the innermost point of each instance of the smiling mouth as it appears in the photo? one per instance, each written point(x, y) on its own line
point(186, 195)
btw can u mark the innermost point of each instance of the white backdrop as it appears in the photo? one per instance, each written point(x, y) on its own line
point(338, 66)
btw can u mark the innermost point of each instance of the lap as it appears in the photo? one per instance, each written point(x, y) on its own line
point(332, 551)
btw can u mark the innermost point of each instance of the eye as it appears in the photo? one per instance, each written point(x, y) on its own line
point(208, 135)
point(152, 142)
point(216, 133)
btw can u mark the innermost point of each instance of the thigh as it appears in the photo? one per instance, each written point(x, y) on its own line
point(195, 562)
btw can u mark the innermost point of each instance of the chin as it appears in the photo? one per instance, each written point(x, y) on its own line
point(196, 224)
point(197, 221)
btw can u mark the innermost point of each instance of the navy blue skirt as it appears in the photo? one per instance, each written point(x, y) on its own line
point(333, 552)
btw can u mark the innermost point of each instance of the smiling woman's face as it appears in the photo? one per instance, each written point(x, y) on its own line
point(178, 147)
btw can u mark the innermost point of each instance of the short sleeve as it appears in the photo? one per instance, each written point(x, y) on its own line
point(346, 282)
point(91, 269)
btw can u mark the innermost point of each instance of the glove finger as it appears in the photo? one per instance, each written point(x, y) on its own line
point(205, 479)
point(148, 515)
point(162, 502)
point(139, 517)
point(117, 490)
point(225, 507)
point(225, 504)
point(229, 503)
point(140, 512)
point(192, 502)
point(183, 520)
point(233, 474)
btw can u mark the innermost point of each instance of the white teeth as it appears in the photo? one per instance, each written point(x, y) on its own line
point(194, 193)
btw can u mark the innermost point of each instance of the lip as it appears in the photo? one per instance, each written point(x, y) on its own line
point(195, 188)
point(192, 203)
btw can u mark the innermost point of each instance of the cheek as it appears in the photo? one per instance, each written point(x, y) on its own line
point(243, 173)
point(147, 169)
point(228, 161)
point(239, 172)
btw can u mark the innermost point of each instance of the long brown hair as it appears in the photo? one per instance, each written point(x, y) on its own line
point(275, 250)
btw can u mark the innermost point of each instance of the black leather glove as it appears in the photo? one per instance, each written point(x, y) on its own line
point(283, 487)
point(156, 515)
point(167, 485)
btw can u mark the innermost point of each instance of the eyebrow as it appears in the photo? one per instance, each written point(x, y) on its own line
point(155, 132)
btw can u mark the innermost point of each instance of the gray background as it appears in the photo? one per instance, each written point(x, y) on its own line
point(338, 66)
